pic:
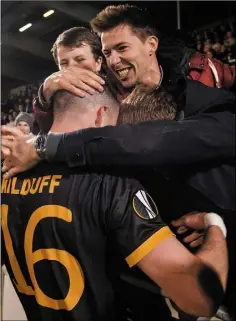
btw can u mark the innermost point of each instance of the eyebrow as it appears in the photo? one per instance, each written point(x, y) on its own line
point(117, 45)
point(66, 59)
point(79, 56)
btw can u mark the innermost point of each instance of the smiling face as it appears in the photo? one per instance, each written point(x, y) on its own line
point(81, 56)
point(24, 127)
point(126, 54)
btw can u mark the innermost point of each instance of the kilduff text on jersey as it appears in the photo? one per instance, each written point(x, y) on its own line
point(31, 186)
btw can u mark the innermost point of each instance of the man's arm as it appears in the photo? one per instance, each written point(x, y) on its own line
point(133, 222)
point(171, 266)
point(209, 137)
point(204, 138)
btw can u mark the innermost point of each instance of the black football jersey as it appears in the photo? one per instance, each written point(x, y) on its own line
point(59, 229)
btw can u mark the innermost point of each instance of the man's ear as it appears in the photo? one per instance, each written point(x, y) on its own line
point(152, 43)
point(101, 119)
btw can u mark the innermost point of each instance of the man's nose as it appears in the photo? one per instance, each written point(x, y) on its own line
point(72, 63)
point(114, 59)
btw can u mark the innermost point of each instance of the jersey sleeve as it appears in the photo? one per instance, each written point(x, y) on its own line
point(133, 221)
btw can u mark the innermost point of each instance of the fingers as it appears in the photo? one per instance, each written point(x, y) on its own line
point(76, 80)
point(5, 168)
point(76, 91)
point(81, 88)
point(195, 220)
point(87, 74)
point(11, 173)
point(5, 152)
point(85, 88)
point(179, 222)
point(192, 237)
point(182, 230)
point(84, 79)
point(7, 142)
point(6, 165)
point(93, 83)
point(197, 242)
point(11, 131)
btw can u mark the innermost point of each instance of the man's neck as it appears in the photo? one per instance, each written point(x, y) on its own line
point(66, 126)
point(153, 75)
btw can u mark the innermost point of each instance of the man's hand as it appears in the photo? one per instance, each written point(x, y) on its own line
point(77, 80)
point(194, 222)
point(17, 151)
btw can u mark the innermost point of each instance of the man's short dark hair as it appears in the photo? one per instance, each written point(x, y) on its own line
point(64, 101)
point(146, 103)
point(74, 37)
point(140, 21)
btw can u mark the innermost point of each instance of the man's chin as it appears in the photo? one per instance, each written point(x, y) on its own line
point(127, 83)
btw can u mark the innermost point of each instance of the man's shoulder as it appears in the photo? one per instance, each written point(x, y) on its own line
point(200, 97)
point(125, 176)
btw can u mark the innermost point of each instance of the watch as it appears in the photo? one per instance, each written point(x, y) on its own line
point(40, 145)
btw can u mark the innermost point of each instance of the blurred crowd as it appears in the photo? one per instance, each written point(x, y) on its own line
point(19, 106)
point(218, 42)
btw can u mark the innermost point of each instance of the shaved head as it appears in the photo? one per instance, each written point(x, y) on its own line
point(71, 112)
point(64, 101)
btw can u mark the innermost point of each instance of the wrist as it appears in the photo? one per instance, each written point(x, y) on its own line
point(33, 153)
point(40, 147)
point(212, 219)
point(45, 93)
point(44, 102)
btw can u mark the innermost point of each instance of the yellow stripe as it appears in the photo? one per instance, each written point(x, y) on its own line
point(148, 245)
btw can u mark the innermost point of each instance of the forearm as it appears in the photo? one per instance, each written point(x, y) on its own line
point(42, 112)
point(155, 143)
point(214, 254)
point(180, 274)
point(194, 298)
point(210, 272)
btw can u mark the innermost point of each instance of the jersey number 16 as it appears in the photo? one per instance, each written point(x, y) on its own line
point(76, 279)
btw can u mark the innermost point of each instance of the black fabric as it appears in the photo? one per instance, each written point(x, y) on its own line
point(103, 229)
point(197, 156)
point(204, 140)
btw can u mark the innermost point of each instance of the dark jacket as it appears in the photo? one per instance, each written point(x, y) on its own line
point(198, 145)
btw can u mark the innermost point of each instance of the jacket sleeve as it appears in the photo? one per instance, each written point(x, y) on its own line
point(42, 112)
point(208, 137)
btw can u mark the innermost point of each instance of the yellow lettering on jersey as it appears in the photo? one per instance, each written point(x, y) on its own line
point(25, 188)
point(31, 186)
point(14, 190)
point(44, 183)
point(35, 185)
point(75, 273)
point(9, 186)
point(20, 283)
point(55, 181)
point(4, 186)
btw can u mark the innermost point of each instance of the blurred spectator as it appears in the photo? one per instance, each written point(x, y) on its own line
point(230, 39)
point(14, 114)
point(24, 122)
point(210, 54)
point(17, 103)
point(217, 46)
point(4, 118)
point(20, 108)
point(220, 39)
point(11, 120)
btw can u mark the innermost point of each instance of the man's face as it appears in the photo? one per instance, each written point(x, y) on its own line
point(24, 127)
point(77, 57)
point(126, 55)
